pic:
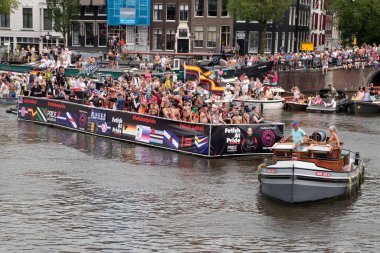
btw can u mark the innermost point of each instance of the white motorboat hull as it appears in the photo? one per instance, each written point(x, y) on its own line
point(299, 182)
point(264, 104)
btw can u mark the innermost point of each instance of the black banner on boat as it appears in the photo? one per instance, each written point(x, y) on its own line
point(245, 139)
point(192, 138)
point(153, 131)
point(255, 71)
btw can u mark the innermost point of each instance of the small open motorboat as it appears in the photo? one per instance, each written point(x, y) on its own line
point(317, 172)
point(327, 104)
point(263, 104)
point(363, 107)
point(296, 106)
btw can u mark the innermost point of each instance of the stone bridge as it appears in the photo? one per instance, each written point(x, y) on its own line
point(313, 80)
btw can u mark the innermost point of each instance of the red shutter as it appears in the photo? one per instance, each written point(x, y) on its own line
point(315, 40)
point(323, 39)
point(316, 21)
point(324, 22)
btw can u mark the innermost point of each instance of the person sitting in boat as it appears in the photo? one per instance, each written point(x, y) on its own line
point(334, 139)
point(297, 135)
point(318, 100)
point(332, 103)
point(296, 94)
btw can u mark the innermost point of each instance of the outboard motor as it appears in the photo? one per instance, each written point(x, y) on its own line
point(357, 158)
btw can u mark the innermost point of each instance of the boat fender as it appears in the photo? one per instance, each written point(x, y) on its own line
point(349, 186)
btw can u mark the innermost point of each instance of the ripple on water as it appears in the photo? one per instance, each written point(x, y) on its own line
point(69, 192)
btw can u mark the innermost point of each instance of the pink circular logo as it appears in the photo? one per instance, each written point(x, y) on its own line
point(269, 138)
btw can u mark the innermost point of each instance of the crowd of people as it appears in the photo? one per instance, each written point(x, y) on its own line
point(144, 94)
point(348, 58)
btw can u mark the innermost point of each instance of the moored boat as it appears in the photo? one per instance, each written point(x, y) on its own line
point(316, 173)
point(296, 106)
point(363, 107)
point(263, 104)
point(327, 103)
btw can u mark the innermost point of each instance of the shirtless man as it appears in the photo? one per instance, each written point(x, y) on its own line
point(203, 116)
point(186, 111)
point(154, 109)
point(237, 119)
point(245, 119)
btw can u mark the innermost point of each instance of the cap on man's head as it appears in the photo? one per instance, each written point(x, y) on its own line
point(295, 123)
point(253, 107)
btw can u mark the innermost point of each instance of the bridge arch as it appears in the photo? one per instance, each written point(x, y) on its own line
point(375, 78)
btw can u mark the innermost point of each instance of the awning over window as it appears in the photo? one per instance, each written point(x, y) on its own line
point(98, 2)
point(85, 2)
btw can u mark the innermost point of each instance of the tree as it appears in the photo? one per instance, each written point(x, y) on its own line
point(358, 18)
point(261, 11)
point(7, 6)
point(63, 13)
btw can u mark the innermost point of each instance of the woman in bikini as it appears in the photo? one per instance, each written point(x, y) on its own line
point(334, 139)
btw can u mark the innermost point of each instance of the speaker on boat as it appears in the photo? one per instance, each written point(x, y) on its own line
point(320, 135)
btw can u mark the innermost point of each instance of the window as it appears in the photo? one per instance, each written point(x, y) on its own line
point(199, 6)
point(131, 35)
point(211, 36)
point(198, 34)
point(157, 39)
point(102, 34)
point(76, 34)
point(268, 42)
point(157, 11)
point(89, 32)
point(89, 10)
point(48, 24)
point(4, 21)
point(142, 35)
point(225, 38)
point(182, 32)
point(170, 12)
point(102, 10)
point(170, 39)
point(27, 18)
point(212, 8)
point(183, 12)
point(143, 8)
point(253, 42)
point(224, 8)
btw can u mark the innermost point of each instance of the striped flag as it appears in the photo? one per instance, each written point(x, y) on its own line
point(71, 120)
point(171, 139)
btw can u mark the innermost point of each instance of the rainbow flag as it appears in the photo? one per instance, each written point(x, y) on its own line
point(205, 78)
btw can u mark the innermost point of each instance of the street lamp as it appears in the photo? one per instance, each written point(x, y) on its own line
point(48, 37)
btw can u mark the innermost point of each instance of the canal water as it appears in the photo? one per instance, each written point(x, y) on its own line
point(70, 192)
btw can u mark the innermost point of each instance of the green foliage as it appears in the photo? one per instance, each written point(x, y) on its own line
point(360, 17)
point(63, 13)
point(261, 11)
point(7, 6)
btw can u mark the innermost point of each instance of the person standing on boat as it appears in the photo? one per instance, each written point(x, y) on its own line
point(333, 91)
point(297, 134)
